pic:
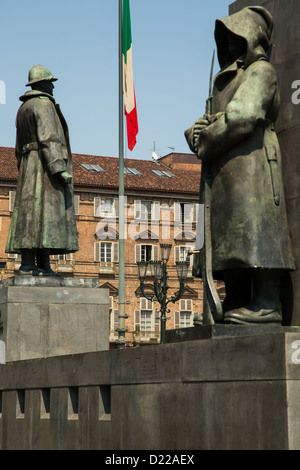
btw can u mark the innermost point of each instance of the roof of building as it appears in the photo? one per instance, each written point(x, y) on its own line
point(103, 172)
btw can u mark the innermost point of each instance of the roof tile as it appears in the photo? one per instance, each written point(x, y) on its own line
point(185, 181)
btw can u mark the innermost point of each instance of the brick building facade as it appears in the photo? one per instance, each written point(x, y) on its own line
point(161, 207)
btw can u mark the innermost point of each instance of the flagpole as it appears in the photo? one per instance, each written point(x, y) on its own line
point(121, 341)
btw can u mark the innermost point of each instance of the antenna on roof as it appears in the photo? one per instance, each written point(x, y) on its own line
point(154, 156)
point(172, 148)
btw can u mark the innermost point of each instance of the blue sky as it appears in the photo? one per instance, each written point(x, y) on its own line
point(173, 43)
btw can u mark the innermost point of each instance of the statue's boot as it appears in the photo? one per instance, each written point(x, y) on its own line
point(43, 263)
point(264, 307)
point(28, 267)
point(238, 285)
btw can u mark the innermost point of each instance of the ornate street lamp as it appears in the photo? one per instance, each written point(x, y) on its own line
point(159, 273)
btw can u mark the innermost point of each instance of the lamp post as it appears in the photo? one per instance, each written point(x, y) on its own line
point(159, 273)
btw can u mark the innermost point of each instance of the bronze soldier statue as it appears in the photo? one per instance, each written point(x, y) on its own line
point(43, 221)
point(250, 239)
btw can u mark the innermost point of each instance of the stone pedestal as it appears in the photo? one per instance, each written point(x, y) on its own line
point(52, 317)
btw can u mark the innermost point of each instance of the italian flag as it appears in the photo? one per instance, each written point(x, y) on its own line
point(128, 84)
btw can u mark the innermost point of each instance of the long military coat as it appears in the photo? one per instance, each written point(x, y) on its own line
point(249, 226)
point(43, 215)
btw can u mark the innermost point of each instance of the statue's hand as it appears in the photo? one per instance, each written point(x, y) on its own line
point(65, 177)
point(199, 125)
point(213, 117)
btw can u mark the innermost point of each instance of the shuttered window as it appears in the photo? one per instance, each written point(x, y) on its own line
point(106, 252)
point(146, 210)
point(186, 313)
point(106, 207)
point(186, 212)
point(146, 253)
point(181, 253)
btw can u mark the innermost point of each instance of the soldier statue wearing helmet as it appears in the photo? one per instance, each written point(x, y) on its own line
point(43, 221)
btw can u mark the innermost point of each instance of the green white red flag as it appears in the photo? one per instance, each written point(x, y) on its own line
point(128, 83)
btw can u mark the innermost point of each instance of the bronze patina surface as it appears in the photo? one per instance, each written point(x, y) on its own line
point(43, 221)
point(249, 232)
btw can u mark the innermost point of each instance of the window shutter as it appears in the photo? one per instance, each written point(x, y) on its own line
point(189, 305)
point(97, 206)
point(195, 212)
point(111, 302)
point(188, 211)
point(12, 200)
point(137, 320)
point(97, 251)
point(157, 321)
point(116, 319)
point(177, 212)
point(176, 320)
point(137, 209)
point(138, 256)
point(187, 255)
point(69, 256)
point(176, 253)
point(76, 204)
point(115, 247)
point(155, 210)
point(154, 253)
point(116, 205)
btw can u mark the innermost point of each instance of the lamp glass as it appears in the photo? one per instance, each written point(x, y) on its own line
point(165, 251)
point(142, 269)
point(182, 269)
point(156, 270)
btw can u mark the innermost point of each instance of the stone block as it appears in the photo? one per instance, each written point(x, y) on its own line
point(44, 320)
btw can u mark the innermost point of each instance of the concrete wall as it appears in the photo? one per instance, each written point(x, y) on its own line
point(239, 393)
point(286, 59)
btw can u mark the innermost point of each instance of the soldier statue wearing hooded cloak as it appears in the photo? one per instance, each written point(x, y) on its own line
point(43, 220)
point(250, 239)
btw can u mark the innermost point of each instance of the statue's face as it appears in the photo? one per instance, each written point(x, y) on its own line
point(45, 86)
point(235, 46)
point(48, 87)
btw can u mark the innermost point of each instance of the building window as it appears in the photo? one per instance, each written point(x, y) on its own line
point(146, 210)
point(146, 253)
point(67, 257)
point(106, 252)
point(105, 207)
point(182, 253)
point(146, 315)
point(185, 212)
point(147, 321)
point(184, 318)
